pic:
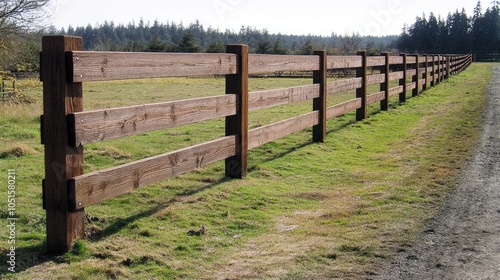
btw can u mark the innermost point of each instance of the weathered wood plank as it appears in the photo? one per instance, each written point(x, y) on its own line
point(98, 186)
point(396, 90)
point(342, 86)
point(95, 126)
point(396, 75)
point(106, 66)
point(421, 82)
point(343, 108)
point(375, 97)
point(275, 97)
point(265, 63)
point(262, 135)
point(411, 86)
point(376, 61)
point(375, 79)
point(339, 62)
point(411, 72)
point(411, 59)
point(396, 59)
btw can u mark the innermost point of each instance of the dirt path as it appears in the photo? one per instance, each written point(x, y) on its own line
point(463, 242)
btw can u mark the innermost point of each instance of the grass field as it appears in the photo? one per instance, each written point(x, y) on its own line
point(305, 211)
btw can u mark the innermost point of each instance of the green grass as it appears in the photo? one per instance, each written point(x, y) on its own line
point(331, 210)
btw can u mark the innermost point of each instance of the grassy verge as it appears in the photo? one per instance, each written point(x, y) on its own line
point(336, 209)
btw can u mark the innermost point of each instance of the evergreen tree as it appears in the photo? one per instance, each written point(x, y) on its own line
point(188, 44)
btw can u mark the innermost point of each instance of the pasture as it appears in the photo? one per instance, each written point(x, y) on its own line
point(335, 209)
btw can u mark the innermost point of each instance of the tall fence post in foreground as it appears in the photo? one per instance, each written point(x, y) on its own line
point(319, 104)
point(60, 98)
point(236, 166)
point(362, 92)
point(402, 82)
point(385, 86)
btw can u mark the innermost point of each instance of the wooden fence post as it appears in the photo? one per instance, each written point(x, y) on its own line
point(319, 104)
point(62, 162)
point(362, 92)
point(402, 82)
point(385, 86)
point(448, 67)
point(433, 71)
point(426, 74)
point(441, 72)
point(416, 78)
point(236, 166)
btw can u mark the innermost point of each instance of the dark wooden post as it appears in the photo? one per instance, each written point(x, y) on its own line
point(416, 78)
point(362, 92)
point(236, 166)
point(426, 74)
point(319, 104)
point(60, 98)
point(385, 86)
point(441, 66)
point(433, 71)
point(448, 67)
point(402, 82)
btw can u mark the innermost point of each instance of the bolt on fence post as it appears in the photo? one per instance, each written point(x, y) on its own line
point(60, 98)
point(402, 82)
point(319, 104)
point(362, 92)
point(237, 166)
point(385, 86)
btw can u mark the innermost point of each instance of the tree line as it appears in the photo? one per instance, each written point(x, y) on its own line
point(20, 36)
point(458, 33)
point(173, 37)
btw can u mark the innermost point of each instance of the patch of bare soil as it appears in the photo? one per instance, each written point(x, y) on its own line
point(463, 241)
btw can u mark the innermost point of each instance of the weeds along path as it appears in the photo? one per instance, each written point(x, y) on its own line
point(463, 242)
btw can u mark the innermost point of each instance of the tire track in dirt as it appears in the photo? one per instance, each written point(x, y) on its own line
point(463, 241)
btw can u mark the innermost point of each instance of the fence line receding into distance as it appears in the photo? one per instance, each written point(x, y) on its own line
point(66, 128)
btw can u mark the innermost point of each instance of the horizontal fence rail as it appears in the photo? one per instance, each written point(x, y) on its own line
point(66, 128)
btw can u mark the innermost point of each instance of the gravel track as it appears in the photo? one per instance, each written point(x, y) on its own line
point(463, 241)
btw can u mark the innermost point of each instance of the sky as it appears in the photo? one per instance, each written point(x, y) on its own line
point(315, 17)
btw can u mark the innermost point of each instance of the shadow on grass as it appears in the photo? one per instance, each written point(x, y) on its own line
point(34, 255)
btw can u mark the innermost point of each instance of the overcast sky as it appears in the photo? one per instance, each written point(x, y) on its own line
point(316, 17)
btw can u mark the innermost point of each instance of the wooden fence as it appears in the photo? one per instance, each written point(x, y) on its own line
point(5, 89)
point(66, 128)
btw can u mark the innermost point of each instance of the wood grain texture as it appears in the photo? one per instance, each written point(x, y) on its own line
point(396, 59)
point(106, 66)
point(60, 98)
point(275, 97)
point(237, 165)
point(376, 61)
point(396, 75)
point(98, 186)
point(375, 79)
point(265, 134)
point(343, 108)
point(95, 126)
point(396, 90)
point(411, 72)
point(265, 63)
point(411, 60)
point(375, 97)
point(342, 86)
point(339, 62)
